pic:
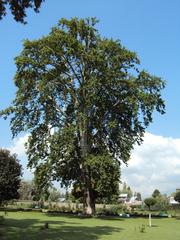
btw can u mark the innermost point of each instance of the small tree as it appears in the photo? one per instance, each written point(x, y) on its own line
point(156, 193)
point(127, 189)
point(150, 202)
point(177, 197)
point(26, 190)
point(162, 203)
point(54, 195)
point(138, 196)
point(10, 173)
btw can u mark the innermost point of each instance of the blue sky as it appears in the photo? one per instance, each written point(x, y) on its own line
point(150, 28)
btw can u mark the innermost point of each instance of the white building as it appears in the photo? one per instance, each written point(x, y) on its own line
point(172, 201)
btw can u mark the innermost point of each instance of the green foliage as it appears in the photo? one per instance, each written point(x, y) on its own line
point(156, 193)
point(10, 173)
point(177, 197)
point(26, 190)
point(42, 188)
point(162, 203)
point(138, 196)
point(81, 97)
point(67, 196)
point(116, 209)
point(103, 181)
point(150, 202)
point(54, 195)
point(105, 185)
point(18, 8)
point(127, 189)
point(67, 208)
point(110, 210)
point(31, 191)
point(77, 193)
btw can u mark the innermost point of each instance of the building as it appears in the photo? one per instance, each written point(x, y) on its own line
point(123, 198)
point(172, 201)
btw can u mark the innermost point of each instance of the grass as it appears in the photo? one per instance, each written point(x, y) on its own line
point(29, 226)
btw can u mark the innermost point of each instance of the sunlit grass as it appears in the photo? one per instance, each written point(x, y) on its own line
point(30, 226)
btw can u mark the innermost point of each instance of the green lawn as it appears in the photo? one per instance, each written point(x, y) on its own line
point(28, 226)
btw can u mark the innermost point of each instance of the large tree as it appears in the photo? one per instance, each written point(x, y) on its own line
point(18, 8)
point(80, 95)
point(10, 176)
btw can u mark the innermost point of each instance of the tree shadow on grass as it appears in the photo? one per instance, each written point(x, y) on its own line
point(67, 215)
point(110, 218)
point(25, 223)
point(73, 216)
point(153, 225)
point(26, 229)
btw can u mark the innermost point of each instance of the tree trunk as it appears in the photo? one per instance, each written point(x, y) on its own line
point(89, 200)
point(89, 203)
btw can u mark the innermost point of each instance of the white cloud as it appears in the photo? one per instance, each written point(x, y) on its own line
point(19, 149)
point(18, 146)
point(154, 164)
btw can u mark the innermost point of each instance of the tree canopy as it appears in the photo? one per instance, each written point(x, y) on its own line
point(150, 202)
point(10, 176)
point(156, 193)
point(81, 96)
point(138, 196)
point(18, 8)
